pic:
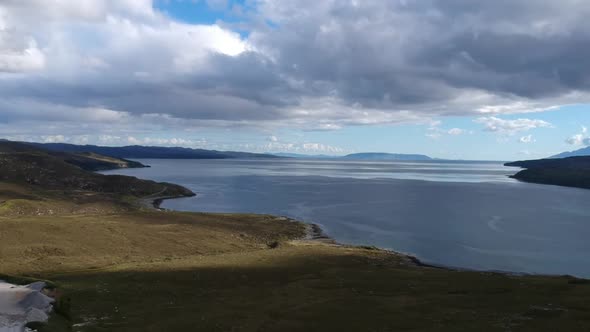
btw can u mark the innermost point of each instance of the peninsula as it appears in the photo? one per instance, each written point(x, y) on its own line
point(569, 172)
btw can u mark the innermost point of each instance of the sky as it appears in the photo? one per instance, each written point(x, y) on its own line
point(459, 79)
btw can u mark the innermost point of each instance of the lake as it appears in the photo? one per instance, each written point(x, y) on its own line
point(459, 214)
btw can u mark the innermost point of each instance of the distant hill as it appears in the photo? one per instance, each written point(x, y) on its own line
point(23, 164)
point(385, 156)
point(85, 160)
point(150, 152)
point(569, 172)
point(159, 152)
point(577, 153)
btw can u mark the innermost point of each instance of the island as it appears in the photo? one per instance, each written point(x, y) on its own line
point(109, 262)
point(569, 172)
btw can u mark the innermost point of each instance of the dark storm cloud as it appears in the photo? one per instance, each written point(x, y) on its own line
point(400, 53)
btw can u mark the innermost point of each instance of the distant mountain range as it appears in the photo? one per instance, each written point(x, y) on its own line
point(88, 161)
point(577, 153)
point(149, 152)
point(159, 152)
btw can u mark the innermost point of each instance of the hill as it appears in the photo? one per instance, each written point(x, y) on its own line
point(44, 182)
point(149, 152)
point(86, 160)
point(94, 162)
point(577, 153)
point(386, 156)
point(569, 172)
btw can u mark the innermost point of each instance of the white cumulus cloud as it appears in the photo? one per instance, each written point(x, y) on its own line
point(527, 139)
point(510, 127)
point(456, 131)
point(579, 139)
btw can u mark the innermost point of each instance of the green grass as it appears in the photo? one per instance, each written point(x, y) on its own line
point(319, 288)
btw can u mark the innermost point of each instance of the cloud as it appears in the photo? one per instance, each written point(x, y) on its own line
point(311, 65)
point(579, 139)
point(217, 4)
point(28, 59)
point(436, 132)
point(510, 127)
point(527, 139)
point(456, 131)
point(54, 139)
point(114, 140)
point(304, 147)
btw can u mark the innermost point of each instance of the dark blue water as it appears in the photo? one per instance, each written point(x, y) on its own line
point(468, 215)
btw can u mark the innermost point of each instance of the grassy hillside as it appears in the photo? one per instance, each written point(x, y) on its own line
point(155, 152)
point(95, 162)
point(167, 271)
point(86, 160)
point(570, 172)
point(33, 181)
point(121, 267)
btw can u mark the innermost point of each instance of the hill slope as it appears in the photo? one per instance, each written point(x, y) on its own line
point(86, 160)
point(33, 181)
point(577, 153)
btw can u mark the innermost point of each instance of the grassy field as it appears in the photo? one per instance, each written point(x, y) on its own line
point(315, 287)
point(122, 267)
point(168, 271)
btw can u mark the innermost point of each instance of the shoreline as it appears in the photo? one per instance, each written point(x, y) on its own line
point(315, 233)
point(154, 203)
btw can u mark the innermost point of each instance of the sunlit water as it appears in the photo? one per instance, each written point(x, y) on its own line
point(460, 214)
